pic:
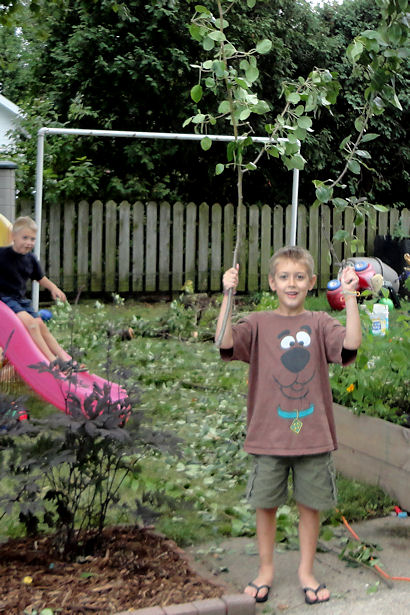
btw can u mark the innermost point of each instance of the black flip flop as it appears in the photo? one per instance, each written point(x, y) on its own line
point(314, 591)
point(258, 588)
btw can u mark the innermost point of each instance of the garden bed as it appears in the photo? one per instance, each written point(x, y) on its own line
point(374, 451)
point(132, 568)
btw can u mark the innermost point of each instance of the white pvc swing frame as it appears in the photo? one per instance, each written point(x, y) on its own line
point(133, 135)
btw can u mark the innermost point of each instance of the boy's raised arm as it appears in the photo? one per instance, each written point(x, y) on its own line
point(353, 337)
point(229, 280)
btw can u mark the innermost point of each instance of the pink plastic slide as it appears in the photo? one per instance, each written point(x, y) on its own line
point(22, 353)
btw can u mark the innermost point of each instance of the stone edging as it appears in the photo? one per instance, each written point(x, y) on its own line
point(230, 604)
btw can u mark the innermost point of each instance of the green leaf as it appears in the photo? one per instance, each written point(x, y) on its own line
point(210, 83)
point(304, 122)
point(251, 3)
point(206, 143)
point(297, 162)
point(311, 102)
point(359, 123)
point(354, 51)
point(251, 166)
point(230, 150)
point(293, 98)
point(354, 166)
point(341, 235)
point(195, 32)
point(363, 153)
point(219, 68)
point(264, 46)
point(323, 193)
point(394, 33)
point(219, 168)
point(196, 93)
point(217, 35)
point(378, 207)
point(370, 136)
point(252, 73)
point(396, 103)
point(224, 107)
point(187, 121)
point(300, 133)
point(202, 9)
point(340, 203)
point(261, 107)
point(244, 114)
point(198, 118)
point(229, 50)
point(208, 43)
point(345, 142)
point(242, 83)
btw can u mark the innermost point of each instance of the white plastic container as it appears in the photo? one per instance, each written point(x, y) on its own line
point(380, 319)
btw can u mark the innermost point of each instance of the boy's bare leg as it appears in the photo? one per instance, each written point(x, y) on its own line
point(52, 343)
point(309, 527)
point(46, 343)
point(265, 532)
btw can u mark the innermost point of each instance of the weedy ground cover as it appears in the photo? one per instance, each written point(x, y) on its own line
point(197, 493)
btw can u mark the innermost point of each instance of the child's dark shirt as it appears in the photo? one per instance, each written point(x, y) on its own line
point(15, 270)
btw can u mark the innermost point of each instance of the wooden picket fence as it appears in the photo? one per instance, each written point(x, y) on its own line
point(151, 247)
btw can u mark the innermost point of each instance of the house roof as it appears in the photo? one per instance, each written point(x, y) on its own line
point(10, 106)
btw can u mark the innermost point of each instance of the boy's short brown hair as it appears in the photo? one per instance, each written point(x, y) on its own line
point(24, 222)
point(293, 253)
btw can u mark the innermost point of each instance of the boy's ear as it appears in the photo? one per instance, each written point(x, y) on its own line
point(271, 282)
point(312, 281)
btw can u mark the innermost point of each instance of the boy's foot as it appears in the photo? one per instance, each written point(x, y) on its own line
point(259, 592)
point(68, 367)
point(316, 596)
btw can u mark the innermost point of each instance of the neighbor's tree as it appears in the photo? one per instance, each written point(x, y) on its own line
point(113, 65)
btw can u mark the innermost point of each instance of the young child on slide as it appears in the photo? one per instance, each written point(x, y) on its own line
point(290, 423)
point(18, 265)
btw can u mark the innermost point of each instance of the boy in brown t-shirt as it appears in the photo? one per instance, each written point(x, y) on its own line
point(290, 423)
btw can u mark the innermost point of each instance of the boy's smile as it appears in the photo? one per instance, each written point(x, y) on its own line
point(291, 283)
point(24, 240)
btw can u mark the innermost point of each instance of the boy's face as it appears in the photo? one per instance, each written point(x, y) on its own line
point(291, 283)
point(24, 240)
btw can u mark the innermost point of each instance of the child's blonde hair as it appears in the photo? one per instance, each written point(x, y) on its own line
point(24, 222)
point(293, 253)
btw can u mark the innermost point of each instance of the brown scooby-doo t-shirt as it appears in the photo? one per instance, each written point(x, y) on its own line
point(290, 410)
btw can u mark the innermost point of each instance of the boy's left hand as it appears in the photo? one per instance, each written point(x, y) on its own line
point(349, 279)
point(56, 293)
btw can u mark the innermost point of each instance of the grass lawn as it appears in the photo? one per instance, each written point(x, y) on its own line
point(197, 493)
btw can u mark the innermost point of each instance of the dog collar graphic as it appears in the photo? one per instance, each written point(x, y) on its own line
point(296, 415)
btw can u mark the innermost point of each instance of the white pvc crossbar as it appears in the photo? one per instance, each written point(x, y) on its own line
point(134, 135)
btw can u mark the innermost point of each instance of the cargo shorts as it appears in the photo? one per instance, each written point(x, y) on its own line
point(313, 478)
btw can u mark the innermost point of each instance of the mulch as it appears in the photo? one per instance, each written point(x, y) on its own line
point(132, 568)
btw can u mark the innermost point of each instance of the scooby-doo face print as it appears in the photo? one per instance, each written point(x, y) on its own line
point(295, 378)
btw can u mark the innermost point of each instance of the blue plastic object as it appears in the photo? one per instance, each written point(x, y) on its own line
point(45, 314)
point(360, 266)
point(333, 284)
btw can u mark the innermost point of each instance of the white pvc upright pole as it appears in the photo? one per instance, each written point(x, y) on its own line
point(294, 216)
point(38, 205)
